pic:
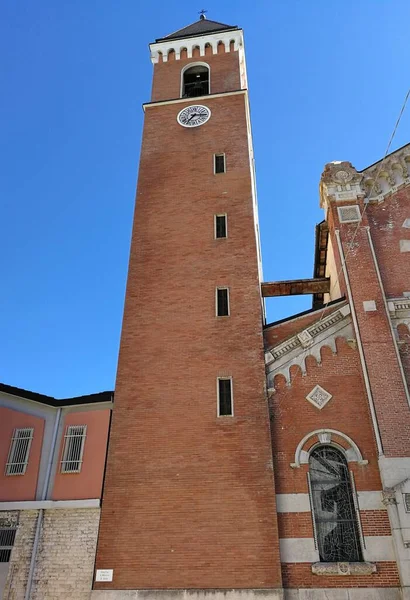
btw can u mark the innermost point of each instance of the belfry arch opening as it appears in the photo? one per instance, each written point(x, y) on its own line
point(195, 81)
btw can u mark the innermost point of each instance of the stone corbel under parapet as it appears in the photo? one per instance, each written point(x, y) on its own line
point(308, 342)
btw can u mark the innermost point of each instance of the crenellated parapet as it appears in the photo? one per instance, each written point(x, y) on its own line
point(196, 46)
point(341, 182)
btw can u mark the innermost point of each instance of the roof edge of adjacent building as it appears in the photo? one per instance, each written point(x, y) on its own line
point(105, 396)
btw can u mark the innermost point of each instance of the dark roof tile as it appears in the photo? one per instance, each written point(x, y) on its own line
point(198, 28)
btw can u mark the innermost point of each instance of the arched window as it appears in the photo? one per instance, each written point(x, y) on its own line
point(337, 530)
point(195, 81)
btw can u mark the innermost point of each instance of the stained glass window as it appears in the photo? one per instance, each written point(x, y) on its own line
point(334, 511)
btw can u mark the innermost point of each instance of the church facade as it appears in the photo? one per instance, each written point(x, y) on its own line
point(249, 459)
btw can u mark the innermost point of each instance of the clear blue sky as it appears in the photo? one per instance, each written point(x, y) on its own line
point(326, 80)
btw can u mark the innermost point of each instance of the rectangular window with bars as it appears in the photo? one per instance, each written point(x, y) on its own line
point(225, 400)
point(7, 537)
point(74, 440)
point(222, 302)
point(219, 163)
point(221, 226)
point(19, 451)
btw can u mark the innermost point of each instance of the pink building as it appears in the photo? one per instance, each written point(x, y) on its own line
point(52, 457)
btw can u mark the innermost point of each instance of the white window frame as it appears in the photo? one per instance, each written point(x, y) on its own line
point(214, 159)
point(68, 436)
point(188, 66)
point(17, 455)
point(222, 287)
point(226, 225)
point(218, 379)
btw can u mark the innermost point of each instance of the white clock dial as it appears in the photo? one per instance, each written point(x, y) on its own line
point(193, 116)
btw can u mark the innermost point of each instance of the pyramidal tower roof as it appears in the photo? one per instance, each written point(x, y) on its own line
point(201, 27)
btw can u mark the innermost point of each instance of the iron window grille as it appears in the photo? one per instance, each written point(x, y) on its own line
point(19, 452)
point(221, 230)
point(225, 403)
point(7, 537)
point(74, 440)
point(334, 513)
point(219, 163)
point(222, 302)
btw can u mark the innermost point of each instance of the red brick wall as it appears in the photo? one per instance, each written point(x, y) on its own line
point(299, 525)
point(224, 75)
point(375, 522)
point(295, 525)
point(189, 498)
point(382, 364)
point(386, 224)
point(275, 334)
point(293, 417)
point(299, 575)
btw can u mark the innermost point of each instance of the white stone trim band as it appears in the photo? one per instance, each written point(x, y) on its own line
point(47, 504)
point(302, 550)
point(192, 100)
point(294, 503)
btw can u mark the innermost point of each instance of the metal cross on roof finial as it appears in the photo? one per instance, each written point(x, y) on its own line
point(202, 14)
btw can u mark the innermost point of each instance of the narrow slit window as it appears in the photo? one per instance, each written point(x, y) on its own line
point(7, 537)
point(74, 440)
point(19, 451)
point(225, 404)
point(221, 230)
point(219, 163)
point(222, 302)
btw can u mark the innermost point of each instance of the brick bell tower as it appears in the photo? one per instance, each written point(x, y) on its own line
point(189, 498)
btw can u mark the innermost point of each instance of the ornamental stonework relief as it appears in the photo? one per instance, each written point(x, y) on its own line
point(319, 397)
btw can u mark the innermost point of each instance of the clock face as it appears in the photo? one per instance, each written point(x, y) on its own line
point(193, 116)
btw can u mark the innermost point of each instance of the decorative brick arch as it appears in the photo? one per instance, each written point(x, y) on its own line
point(329, 437)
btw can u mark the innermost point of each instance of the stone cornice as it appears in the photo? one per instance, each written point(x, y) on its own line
point(293, 351)
point(341, 182)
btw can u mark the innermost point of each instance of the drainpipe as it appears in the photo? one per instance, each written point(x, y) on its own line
point(41, 511)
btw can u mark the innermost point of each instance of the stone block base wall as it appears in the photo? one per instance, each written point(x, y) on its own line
point(301, 594)
point(191, 594)
point(344, 594)
point(19, 565)
point(65, 554)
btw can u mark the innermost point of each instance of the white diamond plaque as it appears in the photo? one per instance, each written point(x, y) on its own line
point(319, 397)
